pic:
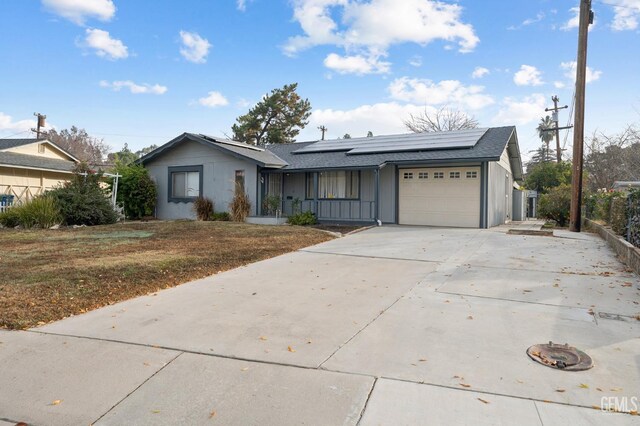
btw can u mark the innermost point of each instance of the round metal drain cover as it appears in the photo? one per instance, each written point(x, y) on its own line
point(562, 357)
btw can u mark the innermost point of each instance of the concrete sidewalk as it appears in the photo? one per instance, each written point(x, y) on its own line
point(394, 325)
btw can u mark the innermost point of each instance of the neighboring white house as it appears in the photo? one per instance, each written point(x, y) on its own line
point(458, 179)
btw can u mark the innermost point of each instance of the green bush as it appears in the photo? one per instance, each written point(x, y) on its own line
point(271, 204)
point(220, 216)
point(41, 212)
point(10, 218)
point(618, 218)
point(543, 177)
point(137, 193)
point(302, 219)
point(203, 208)
point(82, 200)
point(556, 204)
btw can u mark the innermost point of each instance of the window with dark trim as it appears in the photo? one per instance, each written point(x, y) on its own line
point(423, 175)
point(408, 175)
point(454, 175)
point(335, 185)
point(472, 175)
point(438, 175)
point(185, 183)
point(240, 181)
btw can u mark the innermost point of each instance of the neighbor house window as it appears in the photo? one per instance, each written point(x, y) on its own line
point(472, 175)
point(185, 183)
point(438, 175)
point(454, 175)
point(335, 185)
point(408, 175)
point(423, 175)
point(240, 180)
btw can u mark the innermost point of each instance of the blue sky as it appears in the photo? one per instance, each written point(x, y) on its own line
point(143, 72)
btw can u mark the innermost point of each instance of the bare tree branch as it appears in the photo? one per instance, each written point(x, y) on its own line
point(443, 120)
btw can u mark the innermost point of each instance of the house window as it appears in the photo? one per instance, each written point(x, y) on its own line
point(335, 185)
point(185, 183)
point(472, 175)
point(240, 181)
point(454, 175)
point(438, 175)
point(423, 175)
point(274, 184)
point(408, 175)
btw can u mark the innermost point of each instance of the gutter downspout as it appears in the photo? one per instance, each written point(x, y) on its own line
point(376, 174)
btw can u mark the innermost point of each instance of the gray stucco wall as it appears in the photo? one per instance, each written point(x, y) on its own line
point(499, 194)
point(388, 194)
point(218, 178)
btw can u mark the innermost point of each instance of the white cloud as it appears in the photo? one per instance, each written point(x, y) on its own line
point(213, 99)
point(570, 72)
point(8, 125)
point(136, 89)
point(194, 48)
point(380, 118)
point(539, 17)
point(426, 92)
point(241, 5)
point(416, 61)
point(480, 72)
point(356, 64)
point(559, 84)
point(626, 15)
point(78, 11)
point(574, 21)
point(528, 76)
point(523, 111)
point(368, 29)
point(104, 45)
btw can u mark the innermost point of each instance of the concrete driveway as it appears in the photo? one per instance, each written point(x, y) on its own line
point(394, 325)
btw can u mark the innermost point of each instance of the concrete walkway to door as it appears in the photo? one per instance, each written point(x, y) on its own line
point(394, 325)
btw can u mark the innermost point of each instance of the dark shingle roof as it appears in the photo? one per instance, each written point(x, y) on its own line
point(35, 162)
point(12, 143)
point(489, 148)
point(260, 156)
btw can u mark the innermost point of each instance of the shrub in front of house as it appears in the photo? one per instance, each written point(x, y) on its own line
point(220, 217)
point(40, 212)
point(83, 201)
point(556, 204)
point(137, 193)
point(203, 208)
point(302, 219)
point(240, 206)
point(618, 217)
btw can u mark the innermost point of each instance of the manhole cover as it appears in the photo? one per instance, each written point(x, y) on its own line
point(562, 357)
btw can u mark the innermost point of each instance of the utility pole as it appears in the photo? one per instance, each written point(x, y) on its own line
point(323, 129)
point(586, 18)
point(41, 123)
point(557, 129)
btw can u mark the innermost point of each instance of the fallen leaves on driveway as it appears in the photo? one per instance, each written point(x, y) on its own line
point(483, 401)
point(583, 386)
point(464, 385)
point(290, 349)
point(56, 402)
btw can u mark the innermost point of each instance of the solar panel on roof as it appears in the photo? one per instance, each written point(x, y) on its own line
point(399, 143)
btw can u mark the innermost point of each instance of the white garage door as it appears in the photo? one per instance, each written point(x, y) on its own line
point(447, 196)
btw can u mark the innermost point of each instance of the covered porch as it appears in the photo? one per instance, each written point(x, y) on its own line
point(346, 195)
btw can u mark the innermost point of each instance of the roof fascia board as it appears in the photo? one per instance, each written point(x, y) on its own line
point(13, 166)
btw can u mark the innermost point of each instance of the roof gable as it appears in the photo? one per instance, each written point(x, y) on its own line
point(257, 155)
point(15, 145)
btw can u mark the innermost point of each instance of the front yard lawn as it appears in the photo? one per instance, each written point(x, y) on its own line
point(47, 275)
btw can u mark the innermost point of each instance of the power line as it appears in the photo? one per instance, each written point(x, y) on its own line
point(16, 134)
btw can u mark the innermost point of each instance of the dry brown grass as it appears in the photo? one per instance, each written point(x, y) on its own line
point(47, 275)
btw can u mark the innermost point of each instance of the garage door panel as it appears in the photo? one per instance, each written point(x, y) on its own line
point(440, 202)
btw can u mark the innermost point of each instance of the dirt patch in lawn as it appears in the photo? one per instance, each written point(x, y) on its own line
point(47, 275)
